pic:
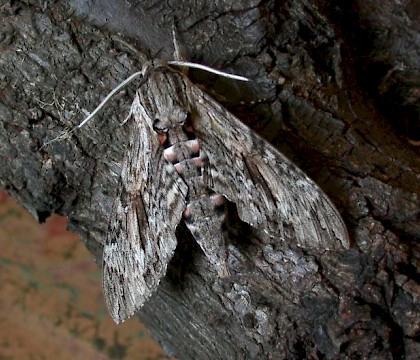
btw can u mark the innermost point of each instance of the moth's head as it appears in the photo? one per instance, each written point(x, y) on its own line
point(165, 120)
point(163, 100)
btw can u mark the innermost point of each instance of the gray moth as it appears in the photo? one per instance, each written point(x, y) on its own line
point(186, 155)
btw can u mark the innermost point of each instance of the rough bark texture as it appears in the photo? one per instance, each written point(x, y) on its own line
point(334, 86)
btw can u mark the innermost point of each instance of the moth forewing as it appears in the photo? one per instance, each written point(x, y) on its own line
point(141, 234)
point(269, 190)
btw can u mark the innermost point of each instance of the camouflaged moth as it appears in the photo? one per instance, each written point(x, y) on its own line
point(185, 156)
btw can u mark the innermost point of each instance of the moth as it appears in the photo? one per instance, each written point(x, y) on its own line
point(186, 156)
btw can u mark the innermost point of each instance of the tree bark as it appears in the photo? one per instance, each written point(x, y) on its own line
point(334, 86)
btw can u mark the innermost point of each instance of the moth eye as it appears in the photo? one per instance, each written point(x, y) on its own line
point(159, 127)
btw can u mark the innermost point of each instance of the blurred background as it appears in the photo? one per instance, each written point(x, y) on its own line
point(51, 303)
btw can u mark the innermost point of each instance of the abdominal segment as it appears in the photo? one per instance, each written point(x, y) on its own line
point(205, 213)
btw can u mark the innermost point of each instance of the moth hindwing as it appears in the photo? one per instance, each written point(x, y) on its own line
point(185, 156)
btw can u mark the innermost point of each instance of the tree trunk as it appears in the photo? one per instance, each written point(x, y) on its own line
point(334, 86)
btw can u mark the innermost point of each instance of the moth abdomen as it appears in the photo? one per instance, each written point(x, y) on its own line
point(182, 150)
point(187, 169)
point(204, 214)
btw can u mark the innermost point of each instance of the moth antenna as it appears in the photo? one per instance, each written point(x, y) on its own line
point(109, 96)
point(66, 133)
point(207, 68)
